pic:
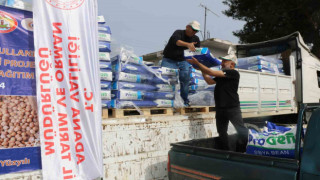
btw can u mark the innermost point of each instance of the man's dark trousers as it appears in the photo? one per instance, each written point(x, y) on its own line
point(223, 116)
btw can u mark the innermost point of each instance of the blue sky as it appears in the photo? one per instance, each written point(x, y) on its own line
point(146, 25)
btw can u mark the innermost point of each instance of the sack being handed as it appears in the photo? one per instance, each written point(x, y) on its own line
point(204, 57)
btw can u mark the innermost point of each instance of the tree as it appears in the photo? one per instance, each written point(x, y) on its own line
point(269, 19)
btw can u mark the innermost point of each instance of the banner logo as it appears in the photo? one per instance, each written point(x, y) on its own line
point(65, 4)
point(27, 24)
point(7, 22)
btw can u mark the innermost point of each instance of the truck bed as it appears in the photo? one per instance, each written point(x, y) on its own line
point(202, 159)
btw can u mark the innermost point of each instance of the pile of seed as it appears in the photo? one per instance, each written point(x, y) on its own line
point(19, 125)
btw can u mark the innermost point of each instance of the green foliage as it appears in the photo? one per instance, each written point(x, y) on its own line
point(269, 19)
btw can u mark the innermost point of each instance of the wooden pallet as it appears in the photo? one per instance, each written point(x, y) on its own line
point(121, 113)
point(196, 109)
point(105, 113)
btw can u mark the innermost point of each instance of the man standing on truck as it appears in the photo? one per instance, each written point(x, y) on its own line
point(173, 56)
point(226, 99)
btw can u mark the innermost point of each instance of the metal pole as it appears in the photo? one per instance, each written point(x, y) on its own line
point(205, 21)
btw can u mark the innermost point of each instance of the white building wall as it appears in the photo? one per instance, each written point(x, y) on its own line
point(137, 148)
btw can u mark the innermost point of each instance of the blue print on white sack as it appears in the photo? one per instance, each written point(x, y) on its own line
point(104, 46)
point(204, 57)
point(277, 141)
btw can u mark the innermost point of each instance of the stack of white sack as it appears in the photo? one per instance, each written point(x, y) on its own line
point(166, 80)
point(262, 64)
point(104, 36)
point(200, 93)
point(104, 61)
point(137, 85)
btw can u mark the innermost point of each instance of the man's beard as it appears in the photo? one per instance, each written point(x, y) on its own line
point(225, 68)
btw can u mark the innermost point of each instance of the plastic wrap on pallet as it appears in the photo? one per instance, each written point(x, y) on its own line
point(104, 46)
point(105, 94)
point(271, 68)
point(165, 87)
point(204, 57)
point(127, 77)
point(158, 95)
point(128, 57)
point(105, 75)
point(105, 84)
point(106, 103)
point(199, 82)
point(165, 71)
point(104, 56)
point(178, 101)
point(169, 79)
point(258, 60)
point(193, 88)
point(119, 104)
point(133, 86)
point(140, 95)
point(262, 63)
point(202, 98)
point(118, 66)
point(149, 87)
point(105, 65)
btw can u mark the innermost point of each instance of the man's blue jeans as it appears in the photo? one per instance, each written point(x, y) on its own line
point(184, 75)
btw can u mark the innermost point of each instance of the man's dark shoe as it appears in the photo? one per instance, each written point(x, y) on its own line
point(186, 105)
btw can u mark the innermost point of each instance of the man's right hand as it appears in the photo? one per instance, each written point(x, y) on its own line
point(191, 46)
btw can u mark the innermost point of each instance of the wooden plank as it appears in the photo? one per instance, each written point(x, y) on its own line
point(196, 109)
point(145, 112)
point(212, 108)
point(105, 113)
point(181, 111)
point(169, 111)
point(121, 113)
point(117, 113)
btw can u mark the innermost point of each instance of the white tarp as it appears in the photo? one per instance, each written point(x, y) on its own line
point(68, 90)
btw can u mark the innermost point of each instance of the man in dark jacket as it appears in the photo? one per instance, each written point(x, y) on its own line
point(226, 99)
point(173, 55)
